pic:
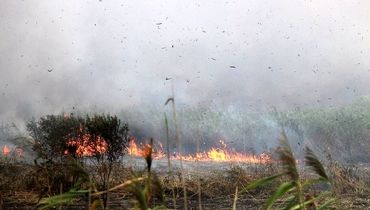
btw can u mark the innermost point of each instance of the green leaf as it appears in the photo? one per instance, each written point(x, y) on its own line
point(281, 190)
point(298, 206)
point(64, 198)
point(326, 204)
point(291, 201)
point(261, 182)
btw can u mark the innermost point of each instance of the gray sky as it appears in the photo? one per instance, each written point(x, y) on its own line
point(55, 55)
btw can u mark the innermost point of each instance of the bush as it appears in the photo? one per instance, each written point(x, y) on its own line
point(61, 140)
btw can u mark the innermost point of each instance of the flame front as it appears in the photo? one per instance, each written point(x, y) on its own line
point(6, 150)
point(142, 151)
point(216, 154)
point(14, 152)
point(85, 146)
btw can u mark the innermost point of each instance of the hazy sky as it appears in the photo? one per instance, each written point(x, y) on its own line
point(55, 55)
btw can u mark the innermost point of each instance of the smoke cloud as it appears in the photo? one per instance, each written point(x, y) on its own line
point(114, 55)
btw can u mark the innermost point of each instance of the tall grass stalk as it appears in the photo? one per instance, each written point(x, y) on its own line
point(290, 167)
point(169, 160)
point(235, 198)
point(292, 191)
point(198, 181)
point(179, 144)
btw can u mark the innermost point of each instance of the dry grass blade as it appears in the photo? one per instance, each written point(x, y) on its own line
point(140, 194)
point(326, 204)
point(168, 101)
point(144, 192)
point(95, 205)
point(235, 198)
point(287, 158)
point(290, 167)
point(148, 151)
point(313, 162)
point(125, 184)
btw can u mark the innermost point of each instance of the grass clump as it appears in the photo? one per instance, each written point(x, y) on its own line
point(292, 193)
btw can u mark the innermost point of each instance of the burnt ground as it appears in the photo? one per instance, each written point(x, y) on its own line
point(217, 182)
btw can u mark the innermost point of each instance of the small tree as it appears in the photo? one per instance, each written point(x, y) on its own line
point(51, 135)
point(103, 138)
point(110, 130)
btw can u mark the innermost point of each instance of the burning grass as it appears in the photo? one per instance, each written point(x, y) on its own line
point(215, 154)
point(211, 179)
point(217, 182)
point(216, 178)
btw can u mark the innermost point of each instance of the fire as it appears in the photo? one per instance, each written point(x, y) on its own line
point(132, 149)
point(85, 147)
point(216, 154)
point(14, 152)
point(142, 151)
point(219, 154)
point(6, 150)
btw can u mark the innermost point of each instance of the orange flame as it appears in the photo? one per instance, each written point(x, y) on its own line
point(217, 154)
point(214, 154)
point(142, 151)
point(6, 150)
point(85, 147)
point(132, 149)
point(15, 152)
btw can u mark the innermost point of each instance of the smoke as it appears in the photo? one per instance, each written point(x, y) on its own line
point(110, 56)
point(114, 54)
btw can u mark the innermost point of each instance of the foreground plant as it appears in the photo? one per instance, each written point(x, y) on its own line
point(144, 189)
point(294, 192)
point(83, 187)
